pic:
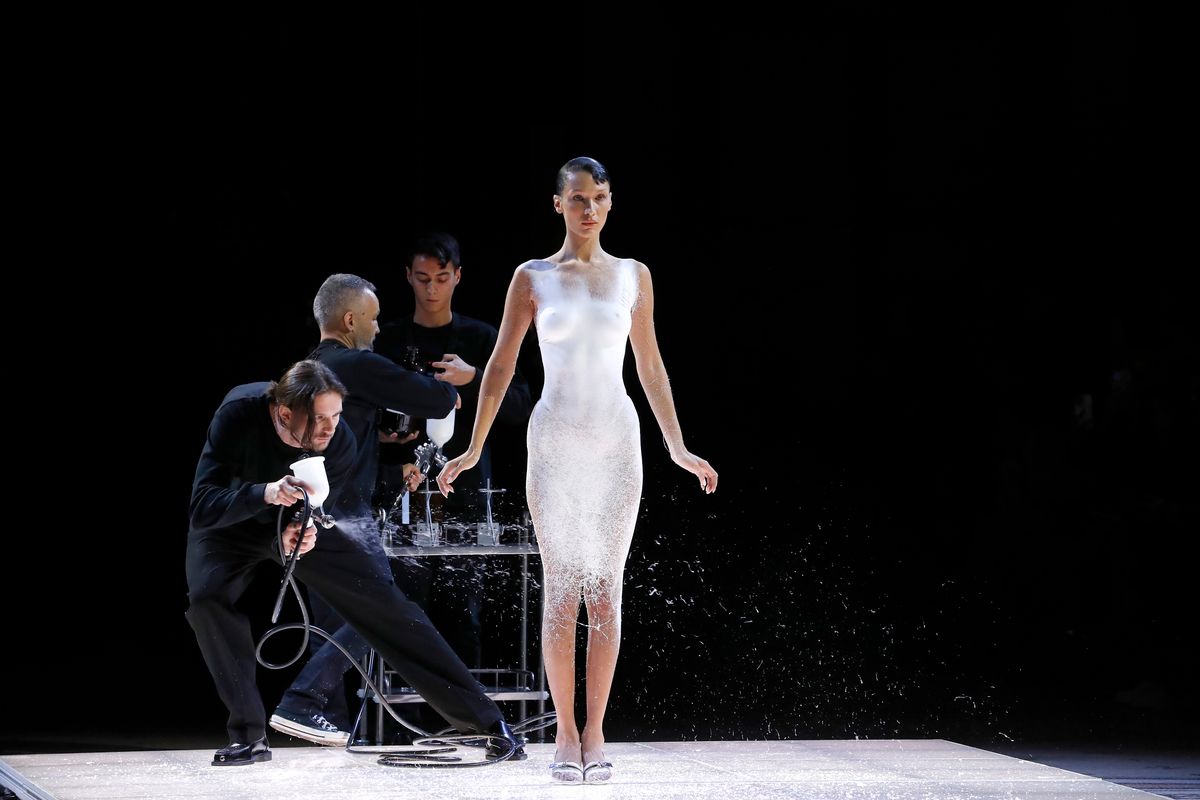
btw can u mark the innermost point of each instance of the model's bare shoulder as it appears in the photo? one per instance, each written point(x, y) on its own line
point(637, 269)
point(520, 289)
point(631, 264)
point(536, 265)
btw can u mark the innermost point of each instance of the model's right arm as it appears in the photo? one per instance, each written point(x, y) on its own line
point(517, 402)
point(518, 315)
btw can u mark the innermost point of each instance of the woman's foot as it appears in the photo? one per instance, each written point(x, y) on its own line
point(596, 769)
point(566, 766)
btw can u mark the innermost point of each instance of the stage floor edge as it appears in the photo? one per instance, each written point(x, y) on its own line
point(895, 769)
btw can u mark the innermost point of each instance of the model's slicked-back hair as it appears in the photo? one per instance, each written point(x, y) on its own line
point(581, 164)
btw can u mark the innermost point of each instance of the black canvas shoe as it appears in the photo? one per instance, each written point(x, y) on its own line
point(313, 727)
point(237, 755)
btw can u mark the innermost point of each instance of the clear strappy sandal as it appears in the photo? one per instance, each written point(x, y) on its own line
point(597, 771)
point(566, 771)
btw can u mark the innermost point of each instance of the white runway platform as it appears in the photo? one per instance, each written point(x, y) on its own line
point(813, 770)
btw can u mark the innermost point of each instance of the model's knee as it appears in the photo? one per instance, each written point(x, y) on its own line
point(561, 615)
point(560, 618)
point(603, 607)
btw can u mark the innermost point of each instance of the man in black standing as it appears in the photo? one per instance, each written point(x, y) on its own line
point(346, 309)
point(454, 348)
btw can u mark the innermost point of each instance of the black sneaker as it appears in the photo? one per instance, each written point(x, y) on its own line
point(237, 754)
point(313, 727)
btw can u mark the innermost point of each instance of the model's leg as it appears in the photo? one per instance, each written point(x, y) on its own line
point(604, 557)
point(560, 615)
point(603, 601)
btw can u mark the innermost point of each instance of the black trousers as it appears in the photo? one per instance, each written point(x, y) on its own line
point(320, 687)
point(449, 588)
point(352, 574)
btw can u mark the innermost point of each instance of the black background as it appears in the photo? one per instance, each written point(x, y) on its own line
point(894, 262)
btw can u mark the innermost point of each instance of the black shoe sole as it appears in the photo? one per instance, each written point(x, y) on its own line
point(242, 762)
point(518, 755)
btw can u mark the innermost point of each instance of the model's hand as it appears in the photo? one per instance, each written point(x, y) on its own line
point(700, 468)
point(284, 491)
point(412, 476)
point(292, 532)
point(452, 470)
point(455, 371)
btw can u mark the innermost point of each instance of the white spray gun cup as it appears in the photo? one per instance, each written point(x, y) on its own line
point(311, 472)
point(439, 431)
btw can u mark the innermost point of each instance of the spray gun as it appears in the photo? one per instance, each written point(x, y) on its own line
point(427, 457)
point(317, 515)
point(439, 432)
point(311, 471)
point(315, 485)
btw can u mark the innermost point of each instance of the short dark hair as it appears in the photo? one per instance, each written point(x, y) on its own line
point(336, 295)
point(442, 247)
point(581, 164)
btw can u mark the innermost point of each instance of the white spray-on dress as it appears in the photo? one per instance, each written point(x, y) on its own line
point(584, 478)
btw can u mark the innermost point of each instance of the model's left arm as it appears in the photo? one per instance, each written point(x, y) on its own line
point(653, 376)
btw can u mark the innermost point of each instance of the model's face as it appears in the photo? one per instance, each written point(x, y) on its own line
point(584, 204)
point(327, 412)
point(365, 321)
point(433, 283)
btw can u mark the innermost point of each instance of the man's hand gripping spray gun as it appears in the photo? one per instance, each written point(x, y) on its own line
point(311, 472)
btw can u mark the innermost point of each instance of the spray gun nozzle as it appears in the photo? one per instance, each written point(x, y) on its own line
point(316, 517)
